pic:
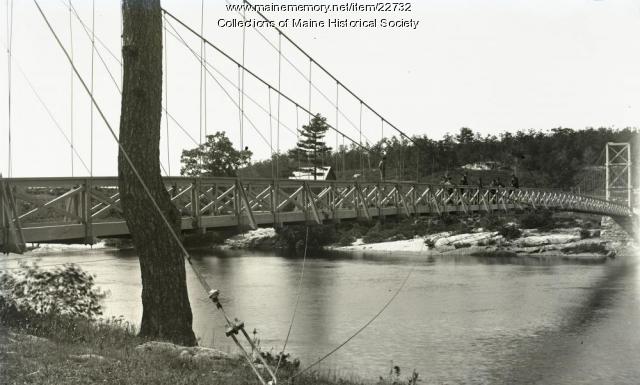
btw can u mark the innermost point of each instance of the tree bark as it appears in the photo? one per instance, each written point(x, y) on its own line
point(166, 310)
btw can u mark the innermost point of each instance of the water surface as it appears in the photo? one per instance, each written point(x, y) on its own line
point(458, 320)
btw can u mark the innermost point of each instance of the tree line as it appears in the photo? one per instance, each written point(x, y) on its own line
point(558, 158)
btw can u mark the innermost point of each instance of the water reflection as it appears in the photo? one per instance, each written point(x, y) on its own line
point(460, 319)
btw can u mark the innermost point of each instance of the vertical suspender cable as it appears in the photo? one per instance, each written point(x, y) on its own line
point(201, 64)
point(337, 160)
point(203, 56)
point(240, 111)
point(360, 142)
point(271, 135)
point(166, 94)
point(278, 111)
point(71, 82)
point(298, 134)
point(9, 43)
point(310, 88)
point(244, 44)
point(93, 51)
point(344, 156)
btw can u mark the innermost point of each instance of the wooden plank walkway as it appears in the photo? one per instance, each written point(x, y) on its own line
point(83, 209)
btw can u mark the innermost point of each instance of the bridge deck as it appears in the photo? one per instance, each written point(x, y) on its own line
point(62, 209)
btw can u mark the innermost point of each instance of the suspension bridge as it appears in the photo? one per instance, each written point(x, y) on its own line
point(67, 209)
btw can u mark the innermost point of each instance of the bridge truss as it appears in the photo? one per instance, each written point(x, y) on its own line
point(84, 209)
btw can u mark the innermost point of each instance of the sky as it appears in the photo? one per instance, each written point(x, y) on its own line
point(490, 65)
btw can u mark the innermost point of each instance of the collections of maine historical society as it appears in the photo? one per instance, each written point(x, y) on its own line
point(383, 16)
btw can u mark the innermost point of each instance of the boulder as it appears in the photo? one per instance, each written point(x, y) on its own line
point(196, 354)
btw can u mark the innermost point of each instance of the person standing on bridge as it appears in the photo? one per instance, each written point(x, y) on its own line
point(515, 183)
point(382, 166)
point(463, 182)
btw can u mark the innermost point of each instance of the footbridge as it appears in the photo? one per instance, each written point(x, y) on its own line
point(35, 210)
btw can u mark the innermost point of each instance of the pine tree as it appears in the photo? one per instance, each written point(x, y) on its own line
point(166, 311)
point(311, 145)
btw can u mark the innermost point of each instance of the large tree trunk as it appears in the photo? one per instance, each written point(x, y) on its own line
point(166, 309)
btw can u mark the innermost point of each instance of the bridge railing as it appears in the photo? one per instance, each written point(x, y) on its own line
point(84, 208)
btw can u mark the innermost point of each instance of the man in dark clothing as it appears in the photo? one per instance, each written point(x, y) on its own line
point(514, 181)
point(463, 182)
point(383, 167)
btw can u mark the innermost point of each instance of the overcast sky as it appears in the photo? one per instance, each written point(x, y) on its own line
point(492, 66)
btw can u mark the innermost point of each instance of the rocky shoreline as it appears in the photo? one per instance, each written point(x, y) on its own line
point(572, 243)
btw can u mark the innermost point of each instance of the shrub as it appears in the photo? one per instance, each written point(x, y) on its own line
point(430, 243)
point(492, 222)
point(597, 248)
point(292, 238)
point(585, 233)
point(510, 232)
point(461, 245)
point(65, 290)
point(538, 220)
point(346, 240)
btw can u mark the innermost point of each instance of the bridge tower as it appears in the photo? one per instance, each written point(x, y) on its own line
point(618, 173)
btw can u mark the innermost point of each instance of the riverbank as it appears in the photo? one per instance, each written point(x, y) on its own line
point(536, 235)
point(567, 244)
point(108, 352)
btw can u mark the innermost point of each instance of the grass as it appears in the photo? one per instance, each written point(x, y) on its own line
point(28, 360)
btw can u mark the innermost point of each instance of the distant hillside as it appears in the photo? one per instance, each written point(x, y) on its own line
point(559, 158)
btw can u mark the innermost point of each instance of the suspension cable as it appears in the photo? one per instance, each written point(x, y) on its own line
point(88, 32)
point(124, 152)
point(201, 65)
point(166, 92)
point(304, 76)
point(236, 104)
point(71, 76)
point(240, 106)
point(369, 322)
point(244, 43)
point(337, 157)
point(9, 77)
point(271, 135)
point(295, 307)
point(93, 50)
point(234, 84)
point(86, 28)
point(311, 115)
point(298, 134)
point(278, 108)
point(48, 111)
point(260, 79)
point(360, 152)
point(327, 72)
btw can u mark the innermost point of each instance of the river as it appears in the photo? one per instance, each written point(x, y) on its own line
point(459, 320)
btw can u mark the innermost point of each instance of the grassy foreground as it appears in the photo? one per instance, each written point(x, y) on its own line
point(83, 352)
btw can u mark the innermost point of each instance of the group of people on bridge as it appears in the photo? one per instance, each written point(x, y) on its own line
point(494, 185)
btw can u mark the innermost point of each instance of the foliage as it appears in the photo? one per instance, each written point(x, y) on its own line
point(597, 248)
point(395, 378)
point(311, 145)
point(292, 238)
point(542, 219)
point(215, 157)
point(556, 158)
point(510, 231)
point(585, 233)
point(112, 343)
point(67, 290)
